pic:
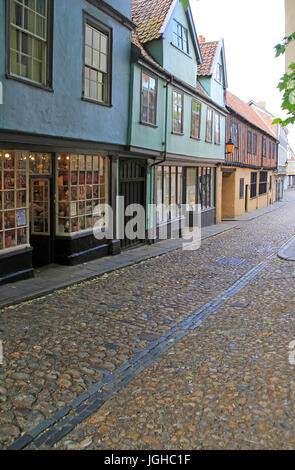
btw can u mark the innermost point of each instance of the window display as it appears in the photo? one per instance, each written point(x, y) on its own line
point(14, 200)
point(82, 185)
point(40, 207)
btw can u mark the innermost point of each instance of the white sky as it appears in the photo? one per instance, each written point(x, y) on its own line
point(251, 29)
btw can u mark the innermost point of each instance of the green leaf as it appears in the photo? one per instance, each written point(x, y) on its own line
point(185, 3)
point(277, 121)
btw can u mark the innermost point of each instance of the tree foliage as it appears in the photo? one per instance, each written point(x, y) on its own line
point(287, 85)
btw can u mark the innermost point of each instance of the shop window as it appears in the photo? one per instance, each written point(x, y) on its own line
point(191, 187)
point(28, 55)
point(40, 207)
point(40, 164)
point(14, 199)
point(82, 187)
point(169, 192)
point(97, 64)
point(206, 192)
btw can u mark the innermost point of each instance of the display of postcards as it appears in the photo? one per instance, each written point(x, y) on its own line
point(9, 200)
point(63, 194)
point(10, 239)
point(81, 223)
point(88, 192)
point(22, 236)
point(73, 209)
point(88, 162)
point(74, 194)
point(89, 177)
point(95, 177)
point(88, 207)
point(9, 162)
point(81, 207)
point(74, 162)
point(82, 193)
point(74, 178)
point(82, 162)
point(21, 161)
point(95, 163)
point(89, 221)
point(21, 198)
point(9, 219)
point(8, 179)
point(95, 191)
point(21, 180)
point(21, 217)
point(82, 177)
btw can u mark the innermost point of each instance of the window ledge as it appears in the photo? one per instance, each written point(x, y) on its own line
point(180, 50)
point(29, 82)
point(148, 124)
point(195, 138)
point(208, 141)
point(99, 103)
point(177, 133)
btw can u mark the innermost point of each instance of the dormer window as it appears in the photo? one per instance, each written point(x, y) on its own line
point(180, 36)
point(218, 74)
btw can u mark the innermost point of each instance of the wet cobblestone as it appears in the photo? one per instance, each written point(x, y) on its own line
point(227, 384)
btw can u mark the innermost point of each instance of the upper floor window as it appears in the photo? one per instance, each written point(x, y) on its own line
point(234, 133)
point(177, 121)
point(218, 73)
point(196, 119)
point(269, 149)
point(28, 40)
point(255, 144)
point(97, 64)
point(148, 99)
point(209, 125)
point(180, 36)
point(263, 146)
point(249, 142)
point(217, 128)
point(273, 151)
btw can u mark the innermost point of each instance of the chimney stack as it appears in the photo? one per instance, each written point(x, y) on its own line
point(202, 39)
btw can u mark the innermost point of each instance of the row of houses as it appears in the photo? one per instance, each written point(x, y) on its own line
point(107, 99)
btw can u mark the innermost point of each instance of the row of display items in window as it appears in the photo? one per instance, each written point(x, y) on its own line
point(76, 224)
point(13, 160)
point(13, 180)
point(13, 219)
point(13, 199)
point(80, 193)
point(74, 209)
point(81, 163)
point(13, 238)
point(74, 178)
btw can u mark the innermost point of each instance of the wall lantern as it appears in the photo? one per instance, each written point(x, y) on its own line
point(229, 146)
point(286, 163)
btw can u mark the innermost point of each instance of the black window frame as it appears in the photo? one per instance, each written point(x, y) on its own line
point(242, 188)
point(262, 183)
point(249, 142)
point(108, 31)
point(263, 147)
point(180, 37)
point(49, 55)
point(142, 121)
point(254, 144)
point(253, 185)
point(235, 133)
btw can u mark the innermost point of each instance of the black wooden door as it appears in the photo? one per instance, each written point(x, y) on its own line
point(132, 185)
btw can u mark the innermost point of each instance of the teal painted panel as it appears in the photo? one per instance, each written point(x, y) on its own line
point(63, 113)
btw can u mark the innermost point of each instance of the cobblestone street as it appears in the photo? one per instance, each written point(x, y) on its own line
point(189, 350)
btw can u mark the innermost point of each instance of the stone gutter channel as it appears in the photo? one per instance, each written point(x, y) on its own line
point(52, 430)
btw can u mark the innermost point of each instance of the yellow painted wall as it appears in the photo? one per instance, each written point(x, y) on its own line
point(232, 205)
point(290, 28)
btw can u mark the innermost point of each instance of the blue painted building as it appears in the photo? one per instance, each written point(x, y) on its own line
point(64, 73)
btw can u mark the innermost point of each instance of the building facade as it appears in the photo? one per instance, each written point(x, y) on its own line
point(249, 170)
point(176, 127)
point(63, 128)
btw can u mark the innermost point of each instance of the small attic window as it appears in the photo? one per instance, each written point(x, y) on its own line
point(180, 36)
point(218, 73)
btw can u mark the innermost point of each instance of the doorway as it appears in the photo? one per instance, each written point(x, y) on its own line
point(132, 184)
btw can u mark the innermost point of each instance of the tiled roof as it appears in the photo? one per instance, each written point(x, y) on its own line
point(208, 51)
point(149, 16)
point(245, 111)
point(143, 51)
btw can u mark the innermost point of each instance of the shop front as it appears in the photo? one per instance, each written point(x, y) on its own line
point(49, 204)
